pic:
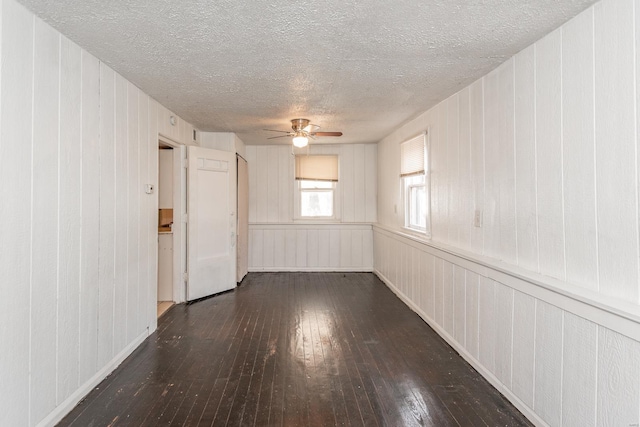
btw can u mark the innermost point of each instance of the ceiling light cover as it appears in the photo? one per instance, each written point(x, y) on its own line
point(300, 141)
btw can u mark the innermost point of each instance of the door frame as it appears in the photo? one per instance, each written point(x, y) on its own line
point(179, 217)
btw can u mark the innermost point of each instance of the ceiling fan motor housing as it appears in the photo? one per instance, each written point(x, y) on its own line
point(299, 124)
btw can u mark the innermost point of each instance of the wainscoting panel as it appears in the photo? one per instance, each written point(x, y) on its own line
point(561, 359)
point(310, 247)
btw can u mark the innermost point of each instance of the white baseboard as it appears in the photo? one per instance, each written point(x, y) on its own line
point(65, 407)
point(522, 407)
point(310, 269)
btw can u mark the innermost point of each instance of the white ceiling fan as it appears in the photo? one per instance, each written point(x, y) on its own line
point(302, 131)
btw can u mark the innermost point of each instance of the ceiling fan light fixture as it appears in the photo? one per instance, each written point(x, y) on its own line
point(300, 140)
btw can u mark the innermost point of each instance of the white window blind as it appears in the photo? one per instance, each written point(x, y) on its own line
point(412, 156)
point(317, 168)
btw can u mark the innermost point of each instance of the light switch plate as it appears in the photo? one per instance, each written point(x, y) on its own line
point(477, 218)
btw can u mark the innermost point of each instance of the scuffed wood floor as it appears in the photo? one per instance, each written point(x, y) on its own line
point(295, 349)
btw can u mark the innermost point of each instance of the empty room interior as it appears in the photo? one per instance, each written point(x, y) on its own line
point(387, 195)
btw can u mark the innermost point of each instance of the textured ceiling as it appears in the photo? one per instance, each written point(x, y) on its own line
point(360, 67)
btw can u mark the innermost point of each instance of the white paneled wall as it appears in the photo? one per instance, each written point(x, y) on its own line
point(309, 247)
point(543, 298)
point(79, 239)
point(277, 243)
point(545, 147)
point(557, 367)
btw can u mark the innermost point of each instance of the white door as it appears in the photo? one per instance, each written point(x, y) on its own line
point(243, 220)
point(211, 205)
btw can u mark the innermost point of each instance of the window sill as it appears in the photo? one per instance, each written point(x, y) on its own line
point(421, 235)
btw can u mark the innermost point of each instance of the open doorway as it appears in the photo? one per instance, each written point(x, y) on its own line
point(171, 224)
point(165, 228)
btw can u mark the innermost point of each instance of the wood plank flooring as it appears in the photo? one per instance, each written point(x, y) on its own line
point(295, 349)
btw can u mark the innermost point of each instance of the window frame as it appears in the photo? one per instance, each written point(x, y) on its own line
point(297, 199)
point(408, 183)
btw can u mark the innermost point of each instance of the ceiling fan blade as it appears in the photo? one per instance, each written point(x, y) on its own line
point(310, 128)
point(273, 130)
point(326, 133)
point(281, 136)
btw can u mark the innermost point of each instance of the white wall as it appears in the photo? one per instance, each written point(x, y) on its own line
point(224, 141)
point(79, 239)
point(278, 243)
point(546, 147)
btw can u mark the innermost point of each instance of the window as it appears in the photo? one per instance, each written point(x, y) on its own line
point(316, 198)
point(414, 174)
point(316, 181)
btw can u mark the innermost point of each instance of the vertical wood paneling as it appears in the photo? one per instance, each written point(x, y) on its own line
point(438, 292)
point(370, 182)
point(285, 184)
point(367, 249)
point(290, 248)
point(257, 242)
point(477, 175)
point(347, 183)
point(334, 247)
point(524, 308)
point(266, 252)
point(549, 154)
point(504, 332)
point(279, 248)
point(472, 281)
point(359, 208)
point(553, 167)
point(323, 249)
point(253, 182)
point(153, 215)
point(262, 175)
point(615, 134)
point(272, 181)
point(618, 379)
point(548, 363)
point(579, 151)
point(357, 250)
point(453, 158)
point(465, 203)
point(429, 262)
point(122, 212)
point(413, 281)
point(506, 173)
point(15, 209)
point(487, 327)
point(301, 242)
point(345, 248)
point(421, 291)
point(439, 175)
point(90, 240)
point(525, 157)
point(70, 216)
point(107, 216)
point(144, 297)
point(492, 182)
point(65, 172)
point(133, 218)
point(459, 304)
point(312, 248)
point(44, 219)
point(448, 284)
point(580, 346)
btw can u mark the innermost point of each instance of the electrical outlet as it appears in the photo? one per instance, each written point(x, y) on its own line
point(477, 218)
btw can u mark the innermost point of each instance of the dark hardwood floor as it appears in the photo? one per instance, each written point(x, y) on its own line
point(296, 349)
